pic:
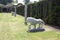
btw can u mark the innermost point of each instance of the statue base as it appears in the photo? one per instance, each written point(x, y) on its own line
point(36, 30)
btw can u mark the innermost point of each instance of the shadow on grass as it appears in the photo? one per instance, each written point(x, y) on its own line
point(56, 27)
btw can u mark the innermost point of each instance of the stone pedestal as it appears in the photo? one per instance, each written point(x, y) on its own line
point(36, 30)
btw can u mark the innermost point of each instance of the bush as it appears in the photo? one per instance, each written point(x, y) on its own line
point(50, 16)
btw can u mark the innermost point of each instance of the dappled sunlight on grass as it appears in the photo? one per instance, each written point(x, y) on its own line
point(13, 28)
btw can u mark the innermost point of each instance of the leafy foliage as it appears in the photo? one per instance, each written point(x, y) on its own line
point(48, 10)
point(5, 1)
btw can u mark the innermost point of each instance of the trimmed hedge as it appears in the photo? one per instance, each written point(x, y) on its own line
point(49, 11)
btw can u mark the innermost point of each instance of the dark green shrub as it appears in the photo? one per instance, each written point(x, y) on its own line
point(50, 15)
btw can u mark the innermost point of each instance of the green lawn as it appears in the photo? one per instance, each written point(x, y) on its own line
point(13, 28)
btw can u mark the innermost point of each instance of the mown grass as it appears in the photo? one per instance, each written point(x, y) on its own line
point(13, 28)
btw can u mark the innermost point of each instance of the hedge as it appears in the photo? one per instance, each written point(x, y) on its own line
point(49, 11)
